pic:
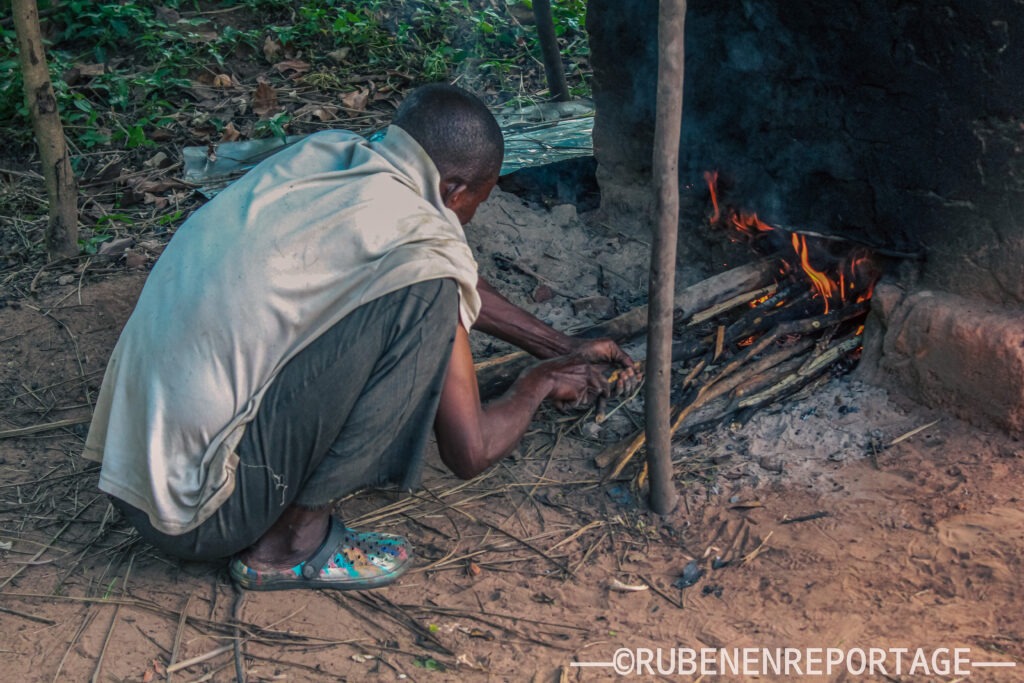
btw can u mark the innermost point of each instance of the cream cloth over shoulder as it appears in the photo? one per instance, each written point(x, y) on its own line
point(247, 282)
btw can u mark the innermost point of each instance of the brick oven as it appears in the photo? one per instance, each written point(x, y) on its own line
point(892, 124)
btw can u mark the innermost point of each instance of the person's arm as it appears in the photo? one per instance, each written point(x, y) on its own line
point(500, 318)
point(472, 437)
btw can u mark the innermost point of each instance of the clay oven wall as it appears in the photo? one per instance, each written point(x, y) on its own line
point(894, 123)
point(897, 123)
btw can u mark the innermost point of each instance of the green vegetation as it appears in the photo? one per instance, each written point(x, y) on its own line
point(130, 75)
point(137, 81)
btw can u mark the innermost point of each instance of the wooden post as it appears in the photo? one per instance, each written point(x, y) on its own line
point(668, 122)
point(549, 49)
point(61, 189)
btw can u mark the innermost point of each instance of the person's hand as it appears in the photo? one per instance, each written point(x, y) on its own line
point(575, 382)
point(625, 377)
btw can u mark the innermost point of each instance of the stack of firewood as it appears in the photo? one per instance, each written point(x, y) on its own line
point(744, 339)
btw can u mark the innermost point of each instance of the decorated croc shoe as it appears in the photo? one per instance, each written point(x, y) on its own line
point(347, 560)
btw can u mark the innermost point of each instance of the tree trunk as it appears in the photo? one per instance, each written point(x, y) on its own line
point(61, 189)
point(668, 122)
point(549, 48)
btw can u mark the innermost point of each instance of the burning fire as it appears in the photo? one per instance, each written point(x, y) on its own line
point(711, 177)
point(849, 279)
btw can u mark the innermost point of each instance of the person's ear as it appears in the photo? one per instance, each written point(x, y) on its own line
point(453, 193)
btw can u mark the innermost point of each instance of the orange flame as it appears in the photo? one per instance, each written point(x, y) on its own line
point(852, 279)
point(749, 223)
point(711, 178)
point(822, 283)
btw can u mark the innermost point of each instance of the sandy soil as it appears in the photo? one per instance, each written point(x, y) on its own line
point(826, 536)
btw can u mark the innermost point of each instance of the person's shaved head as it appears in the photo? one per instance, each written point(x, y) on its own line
point(457, 130)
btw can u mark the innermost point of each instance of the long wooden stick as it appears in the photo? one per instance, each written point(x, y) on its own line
point(35, 429)
point(668, 122)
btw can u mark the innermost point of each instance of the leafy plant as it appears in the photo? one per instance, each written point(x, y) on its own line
point(274, 126)
point(153, 53)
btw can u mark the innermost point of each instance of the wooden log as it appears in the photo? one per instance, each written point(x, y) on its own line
point(759, 319)
point(717, 387)
point(726, 306)
point(808, 370)
point(692, 300)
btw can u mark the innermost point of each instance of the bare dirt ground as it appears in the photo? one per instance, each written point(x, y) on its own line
point(828, 537)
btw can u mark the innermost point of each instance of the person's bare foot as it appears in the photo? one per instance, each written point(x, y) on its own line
point(293, 538)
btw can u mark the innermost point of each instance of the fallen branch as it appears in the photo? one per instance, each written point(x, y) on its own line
point(200, 658)
point(806, 518)
point(912, 432)
point(30, 617)
point(36, 429)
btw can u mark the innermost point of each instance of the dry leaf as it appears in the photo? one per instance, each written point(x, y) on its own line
point(167, 15)
point(158, 160)
point(130, 197)
point(322, 112)
point(161, 135)
point(158, 185)
point(223, 81)
point(134, 260)
point(201, 37)
point(356, 100)
point(297, 67)
point(230, 133)
point(151, 246)
point(339, 56)
point(155, 201)
point(271, 49)
point(264, 100)
point(477, 633)
point(326, 113)
point(90, 69)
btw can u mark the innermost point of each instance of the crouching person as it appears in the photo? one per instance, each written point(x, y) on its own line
point(300, 336)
